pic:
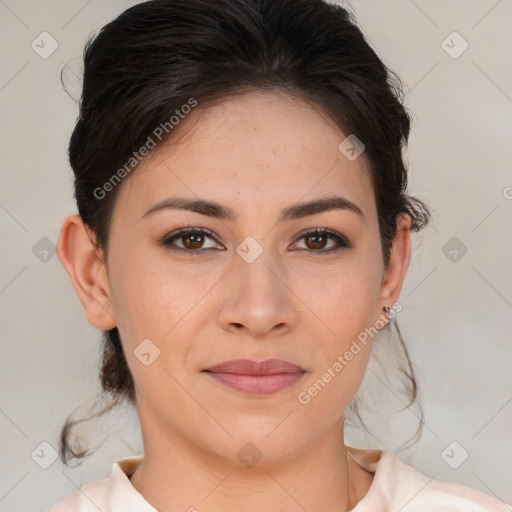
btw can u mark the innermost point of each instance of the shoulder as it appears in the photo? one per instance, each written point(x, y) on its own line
point(415, 492)
point(112, 494)
point(398, 486)
point(90, 498)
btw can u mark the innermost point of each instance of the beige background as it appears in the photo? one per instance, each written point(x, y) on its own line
point(457, 316)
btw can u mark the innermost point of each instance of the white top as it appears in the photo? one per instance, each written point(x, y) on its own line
point(396, 487)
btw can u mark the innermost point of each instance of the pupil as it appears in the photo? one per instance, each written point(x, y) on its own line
point(196, 239)
point(316, 239)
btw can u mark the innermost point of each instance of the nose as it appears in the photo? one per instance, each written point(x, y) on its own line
point(258, 299)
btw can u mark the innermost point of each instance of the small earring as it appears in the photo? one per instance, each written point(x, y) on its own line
point(386, 309)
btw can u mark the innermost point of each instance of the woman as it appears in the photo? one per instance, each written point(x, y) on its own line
point(243, 234)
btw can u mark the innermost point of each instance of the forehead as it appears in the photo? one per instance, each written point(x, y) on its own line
point(250, 151)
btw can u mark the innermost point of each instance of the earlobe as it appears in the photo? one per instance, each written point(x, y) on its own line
point(87, 272)
point(398, 263)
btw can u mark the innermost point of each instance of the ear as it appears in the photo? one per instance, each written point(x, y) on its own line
point(398, 263)
point(87, 272)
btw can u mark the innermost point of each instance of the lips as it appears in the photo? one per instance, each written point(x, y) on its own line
point(249, 367)
point(253, 377)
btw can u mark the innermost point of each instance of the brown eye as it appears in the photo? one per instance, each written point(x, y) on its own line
point(196, 241)
point(317, 241)
point(192, 240)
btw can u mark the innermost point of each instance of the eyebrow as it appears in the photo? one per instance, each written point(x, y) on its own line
point(216, 210)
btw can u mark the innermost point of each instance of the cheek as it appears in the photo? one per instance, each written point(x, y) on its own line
point(152, 311)
point(330, 390)
point(344, 304)
point(163, 302)
point(343, 296)
point(150, 296)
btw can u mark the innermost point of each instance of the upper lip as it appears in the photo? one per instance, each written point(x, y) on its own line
point(250, 367)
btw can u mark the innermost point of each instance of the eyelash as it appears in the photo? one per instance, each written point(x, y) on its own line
point(333, 235)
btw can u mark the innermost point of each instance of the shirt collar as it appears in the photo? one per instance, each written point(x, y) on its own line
point(125, 498)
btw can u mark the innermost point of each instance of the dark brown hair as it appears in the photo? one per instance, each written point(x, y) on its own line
point(148, 62)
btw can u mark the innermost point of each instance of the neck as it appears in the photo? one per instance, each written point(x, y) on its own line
point(178, 475)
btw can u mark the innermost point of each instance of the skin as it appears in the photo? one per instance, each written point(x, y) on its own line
point(255, 153)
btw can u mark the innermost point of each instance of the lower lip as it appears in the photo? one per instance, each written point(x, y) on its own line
point(257, 384)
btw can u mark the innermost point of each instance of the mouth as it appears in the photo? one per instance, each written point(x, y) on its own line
point(253, 377)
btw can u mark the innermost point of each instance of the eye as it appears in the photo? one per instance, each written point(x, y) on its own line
point(317, 240)
point(192, 240)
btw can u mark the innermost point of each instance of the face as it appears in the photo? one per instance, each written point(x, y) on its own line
point(255, 284)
